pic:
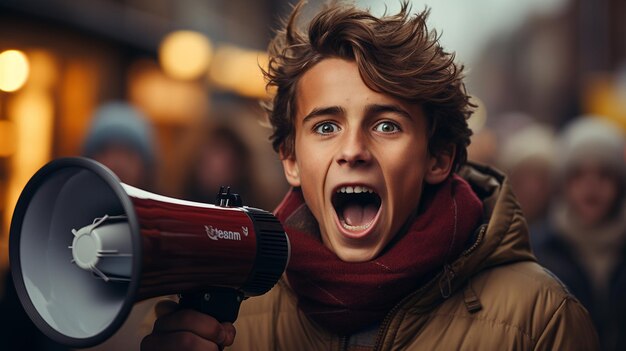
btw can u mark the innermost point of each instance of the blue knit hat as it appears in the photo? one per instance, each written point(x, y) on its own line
point(120, 123)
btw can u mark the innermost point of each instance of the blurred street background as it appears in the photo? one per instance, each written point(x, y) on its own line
point(166, 92)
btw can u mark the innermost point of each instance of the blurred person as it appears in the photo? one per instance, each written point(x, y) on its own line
point(528, 157)
point(507, 124)
point(396, 242)
point(222, 158)
point(121, 138)
point(585, 242)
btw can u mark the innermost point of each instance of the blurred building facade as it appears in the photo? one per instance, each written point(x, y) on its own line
point(558, 66)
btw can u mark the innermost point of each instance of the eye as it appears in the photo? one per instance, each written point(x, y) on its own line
point(387, 127)
point(326, 128)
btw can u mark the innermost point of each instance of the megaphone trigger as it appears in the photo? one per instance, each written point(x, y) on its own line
point(221, 303)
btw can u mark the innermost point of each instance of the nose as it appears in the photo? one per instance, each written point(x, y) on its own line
point(353, 150)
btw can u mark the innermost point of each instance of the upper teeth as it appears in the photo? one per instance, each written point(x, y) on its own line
point(355, 189)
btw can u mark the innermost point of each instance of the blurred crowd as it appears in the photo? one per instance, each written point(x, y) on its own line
point(571, 185)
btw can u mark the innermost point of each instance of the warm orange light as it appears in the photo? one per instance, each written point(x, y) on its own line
point(603, 96)
point(163, 99)
point(7, 138)
point(185, 54)
point(14, 69)
point(30, 121)
point(43, 69)
point(32, 113)
point(240, 70)
point(254, 83)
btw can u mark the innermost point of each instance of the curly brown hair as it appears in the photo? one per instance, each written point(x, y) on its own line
point(395, 54)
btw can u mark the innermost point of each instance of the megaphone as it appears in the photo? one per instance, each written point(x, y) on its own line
point(85, 247)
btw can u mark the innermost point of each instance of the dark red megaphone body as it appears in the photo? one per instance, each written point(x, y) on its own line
point(85, 247)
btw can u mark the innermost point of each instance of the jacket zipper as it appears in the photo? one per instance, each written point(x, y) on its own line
point(479, 240)
point(384, 327)
point(392, 313)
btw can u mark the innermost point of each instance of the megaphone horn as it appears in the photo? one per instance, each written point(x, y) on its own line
point(85, 247)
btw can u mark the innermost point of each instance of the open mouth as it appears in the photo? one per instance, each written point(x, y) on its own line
point(356, 207)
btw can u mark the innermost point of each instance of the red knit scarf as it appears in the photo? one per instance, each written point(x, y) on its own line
point(345, 297)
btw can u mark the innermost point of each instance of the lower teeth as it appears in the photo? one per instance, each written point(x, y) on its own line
point(356, 227)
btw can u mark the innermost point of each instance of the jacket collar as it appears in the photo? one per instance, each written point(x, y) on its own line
point(502, 239)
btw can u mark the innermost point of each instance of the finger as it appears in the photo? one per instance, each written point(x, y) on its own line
point(165, 307)
point(193, 321)
point(230, 331)
point(176, 341)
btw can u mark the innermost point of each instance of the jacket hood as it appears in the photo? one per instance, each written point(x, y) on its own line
point(502, 239)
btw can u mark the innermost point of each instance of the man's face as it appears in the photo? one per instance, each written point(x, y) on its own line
point(532, 182)
point(125, 162)
point(591, 192)
point(360, 158)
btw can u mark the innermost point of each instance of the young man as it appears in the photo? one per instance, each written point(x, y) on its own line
point(391, 249)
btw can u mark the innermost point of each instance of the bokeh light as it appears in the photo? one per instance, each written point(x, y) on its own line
point(239, 70)
point(7, 138)
point(164, 99)
point(185, 54)
point(44, 69)
point(14, 69)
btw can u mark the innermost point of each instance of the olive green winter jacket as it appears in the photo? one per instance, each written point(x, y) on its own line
point(493, 297)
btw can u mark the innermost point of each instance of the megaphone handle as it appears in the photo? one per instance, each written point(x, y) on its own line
point(221, 304)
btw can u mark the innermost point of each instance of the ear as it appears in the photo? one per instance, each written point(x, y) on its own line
point(291, 169)
point(440, 165)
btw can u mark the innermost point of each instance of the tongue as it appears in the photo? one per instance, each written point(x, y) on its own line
point(356, 214)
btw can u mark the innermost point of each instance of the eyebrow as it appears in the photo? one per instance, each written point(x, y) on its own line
point(370, 110)
point(324, 111)
point(375, 109)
